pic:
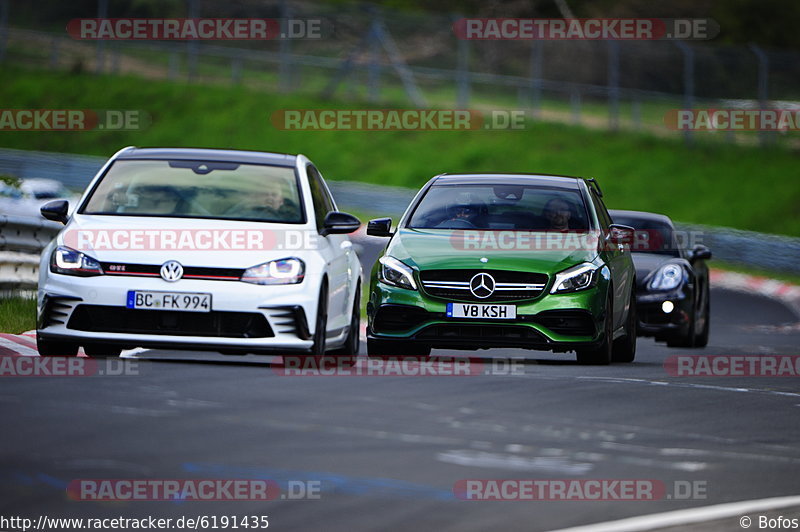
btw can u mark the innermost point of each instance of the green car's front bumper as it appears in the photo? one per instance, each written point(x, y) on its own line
point(550, 322)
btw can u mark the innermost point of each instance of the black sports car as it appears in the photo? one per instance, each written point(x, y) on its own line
point(672, 300)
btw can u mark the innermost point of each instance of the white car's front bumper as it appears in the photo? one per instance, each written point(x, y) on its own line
point(289, 311)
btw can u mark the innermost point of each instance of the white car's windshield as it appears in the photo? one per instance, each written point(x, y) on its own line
point(198, 189)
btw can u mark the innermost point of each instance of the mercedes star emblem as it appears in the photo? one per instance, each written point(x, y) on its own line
point(482, 285)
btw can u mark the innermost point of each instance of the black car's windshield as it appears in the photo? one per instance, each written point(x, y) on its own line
point(652, 236)
point(500, 207)
point(198, 189)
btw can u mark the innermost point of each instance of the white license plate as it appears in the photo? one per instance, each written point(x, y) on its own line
point(481, 311)
point(186, 301)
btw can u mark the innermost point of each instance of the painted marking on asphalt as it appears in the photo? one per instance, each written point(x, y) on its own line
point(688, 517)
point(690, 385)
point(8, 341)
point(471, 458)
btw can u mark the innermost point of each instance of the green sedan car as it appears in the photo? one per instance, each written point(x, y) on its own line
point(485, 261)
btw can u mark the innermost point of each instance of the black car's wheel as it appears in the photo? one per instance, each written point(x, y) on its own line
point(50, 348)
point(395, 349)
point(349, 351)
point(685, 338)
point(101, 350)
point(701, 339)
point(601, 355)
point(624, 349)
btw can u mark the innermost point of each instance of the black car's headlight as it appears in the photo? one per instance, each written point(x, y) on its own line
point(667, 277)
point(68, 261)
point(395, 273)
point(577, 278)
point(282, 271)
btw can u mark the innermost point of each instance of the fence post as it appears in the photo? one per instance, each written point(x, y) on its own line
point(191, 45)
point(688, 82)
point(374, 68)
point(463, 92)
point(54, 52)
point(173, 64)
point(763, 87)
point(3, 28)
point(100, 59)
point(236, 70)
point(537, 55)
point(285, 50)
point(613, 85)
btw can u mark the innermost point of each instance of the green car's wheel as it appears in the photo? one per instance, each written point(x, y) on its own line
point(600, 355)
point(624, 349)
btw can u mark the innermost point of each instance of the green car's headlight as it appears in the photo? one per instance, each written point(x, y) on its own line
point(282, 271)
point(395, 273)
point(667, 277)
point(68, 261)
point(578, 277)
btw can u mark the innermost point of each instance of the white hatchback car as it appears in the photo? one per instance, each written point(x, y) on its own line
point(198, 249)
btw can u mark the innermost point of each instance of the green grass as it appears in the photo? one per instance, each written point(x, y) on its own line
point(17, 314)
point(710, 183)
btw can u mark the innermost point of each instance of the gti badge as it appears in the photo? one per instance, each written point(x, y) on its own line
point(171, 271)
point(481, 285)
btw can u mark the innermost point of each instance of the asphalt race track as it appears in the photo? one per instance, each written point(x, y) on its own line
point(387, 451)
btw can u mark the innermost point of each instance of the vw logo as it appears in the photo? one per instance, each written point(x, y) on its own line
point(171, 271)
point(481, 285)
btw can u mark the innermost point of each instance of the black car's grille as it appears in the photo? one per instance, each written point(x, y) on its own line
point(101, 318)
point(509, 285)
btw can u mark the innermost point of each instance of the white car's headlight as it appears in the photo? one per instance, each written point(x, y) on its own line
point(68, 261)
point(281, 271)
point(395, 273)
point(578, 277)
point(668, 277)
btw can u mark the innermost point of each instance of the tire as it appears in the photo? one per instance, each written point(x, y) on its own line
point(50, 348)
point(395, 349)
point(349, 351)
point(686, 339)
point(321, 324)
point(101, 350)
point(624, 349)
point(701, 339)
point(600, 355)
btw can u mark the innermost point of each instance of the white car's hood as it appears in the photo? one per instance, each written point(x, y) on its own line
point(190, 241)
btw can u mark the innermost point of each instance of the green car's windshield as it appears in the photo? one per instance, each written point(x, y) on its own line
point(500, 207)
point(198, 189)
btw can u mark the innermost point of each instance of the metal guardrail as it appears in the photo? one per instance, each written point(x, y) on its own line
point(30, 234)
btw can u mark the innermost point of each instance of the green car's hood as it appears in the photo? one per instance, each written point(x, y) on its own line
point(444, 249)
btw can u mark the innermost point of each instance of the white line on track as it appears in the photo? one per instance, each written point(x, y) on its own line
point(688, 517)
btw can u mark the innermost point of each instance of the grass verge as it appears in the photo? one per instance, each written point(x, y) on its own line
point(17, 314)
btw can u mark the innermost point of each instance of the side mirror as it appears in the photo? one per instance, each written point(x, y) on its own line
point(621, 234)
point(339, 223)
point(700, 252)
point(380, 227)
point(56, 210)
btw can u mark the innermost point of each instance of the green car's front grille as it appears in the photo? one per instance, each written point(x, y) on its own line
point(508, 285)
